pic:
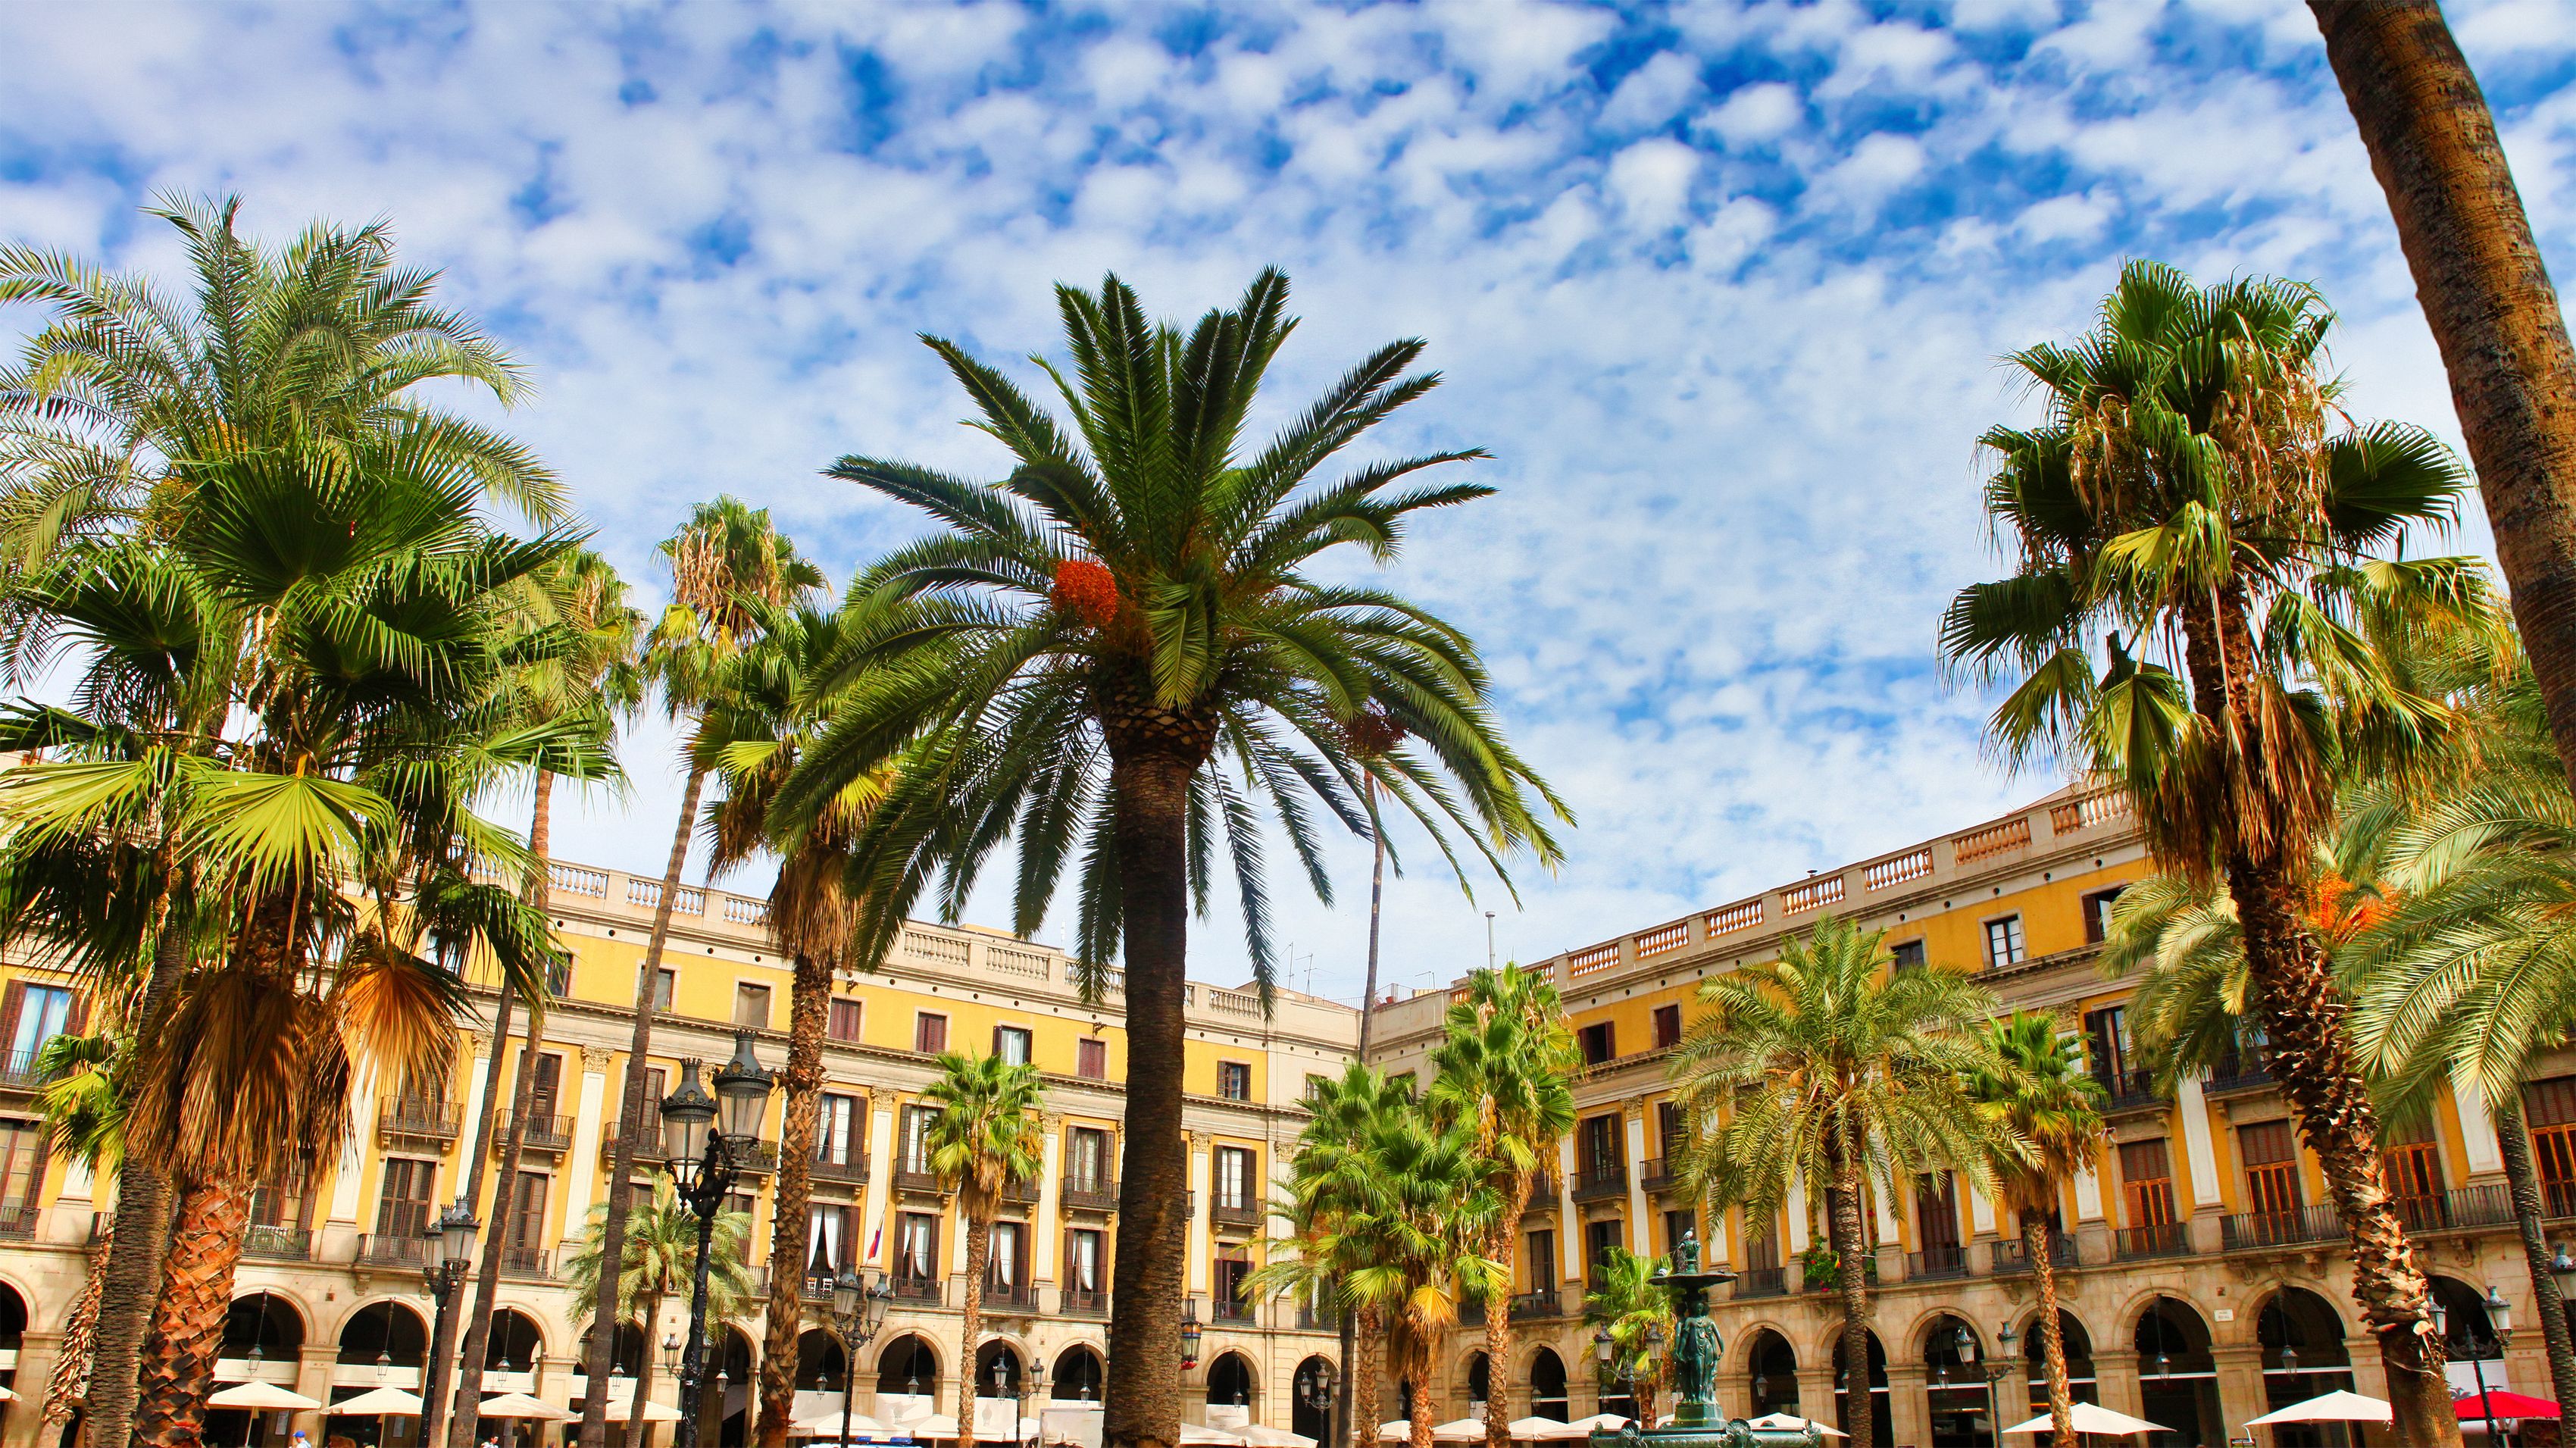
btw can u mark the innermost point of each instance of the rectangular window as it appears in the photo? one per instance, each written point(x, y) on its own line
point(2106, 1042)
point(44, 1012)
point(528, 1217)
point(1011, 1043)
point(1086, 1159)
point(836, 1130)
point(1668, 1131)
point(1600, 1144)
point(916, 1138)
point(1234, 1080)
point(1677, 1225)
point(1599, 1042)
point(559, 977)
point(1668, 1026)
point(1936, 1210)
point(917, 1248)
point(843, 1023)
point(2004, 943)
point(2146, 1183)
point(1091, 1059)
point(745, 1202)
point(829, 1244)
point(1230, 1272)
point(666, 989)
point(1908, 955)
point(545, 1091)
point(282, 1202)
point(1082, 1260)
point(1541, 1275)
point(2549, 1112)
point(929, 1033)
point(1762, 1243)
point(1234, 1178)
point(1316, 1085)
point(2414, 1174)
point(2097, 914)
point(2271, 1167)
point(751, 1007)
point(1599, 1239)
point(402, 1203)
point(1006, 1257)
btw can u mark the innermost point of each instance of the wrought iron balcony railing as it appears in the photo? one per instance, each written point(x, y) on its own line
point(2258, 1231)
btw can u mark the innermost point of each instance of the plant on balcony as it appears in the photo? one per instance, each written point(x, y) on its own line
point(1133, 732)
point(2196, 488)
point(985, 1136)
point(2044, 1113)
point(1826, 1068)
point(1624, 1299)
point(659, 1250)
point(1505, 1068)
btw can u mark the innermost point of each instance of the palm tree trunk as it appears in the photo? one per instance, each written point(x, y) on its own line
point(1842, 1229)
point(612, 1232)
point(188, 1322)
point(1363, 1374)
point(2488, 298)
point(496, 1241)
point(1419, 1359)
point(809, 1004)
point(979, 1235)
point(1498, 1316)
point(1151, 828)
point(141, 1233)
point(1368, 1001)
point(2035, 1243)
point(443, 1347)
point(70, 1378)
point(633, 1431)
point(2523, 1181)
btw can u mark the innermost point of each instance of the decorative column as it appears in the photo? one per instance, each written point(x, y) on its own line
point(1641, 1238)
point(1202, 1199)
point(2200, 1157)
point(589, 1136)
point(880, 1109)
point(2240, 1382)
point(1569, 1222)
point(1909, 1402)
point(1046, 1221)
point(2477, 1140)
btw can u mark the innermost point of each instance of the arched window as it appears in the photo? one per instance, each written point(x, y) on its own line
point(1229, 1380)
point(908, 1365)
point(2177, 1378)
point(1954, 1384)
point(514, 1345)
point(1077, 1377)
point(263, 1325)
point(820, 1362)
point(997, 1370)
point(1304, 1417)
point(1547, 1386)
point(1480, 1378)
point(2078, 1347)
point(384, 1331)
point(2303, 1355)
point(1882, 1421)
point(1771, 1374)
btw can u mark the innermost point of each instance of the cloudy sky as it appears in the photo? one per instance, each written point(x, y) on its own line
point(1721, 288)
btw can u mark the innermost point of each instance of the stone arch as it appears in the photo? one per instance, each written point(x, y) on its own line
point(1547, 1386)
point(266, 1322)
point(387, 1328)
point(13, 1316)
point(999, 1352)
point(1231, 1380)
point(2300, 1338)
point(1079, 1374)
point(1476, 1377)
point(1882, 1417)
point(909, 1364)
point(821, 1361)
point(2468, 1332)
point(2177, 1377)
point(1303, 1416)
point(1953, 1355)
point(2082, 1381)
point(1769, 1365)
point(627, 1347)
point(514, 1343)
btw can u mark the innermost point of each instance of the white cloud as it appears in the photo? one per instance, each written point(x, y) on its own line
point(1755, 114)
point(1652, 93)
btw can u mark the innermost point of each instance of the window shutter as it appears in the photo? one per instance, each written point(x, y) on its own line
point(77, 1021)
point(12, 1001)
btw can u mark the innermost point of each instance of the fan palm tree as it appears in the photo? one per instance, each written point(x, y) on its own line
point(1505, 1067)
point(660, 1253)
point(1118, 655)
point(984, 1137)
point(2189, 487)
point(727, 564)
point(83, 1101)
point(2048, 1113)
point(1436, 1210)
point(1825, 1066)
point(323, 342)
point(1622, 1297)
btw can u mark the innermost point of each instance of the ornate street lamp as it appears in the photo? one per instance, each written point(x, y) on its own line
point(858, 1310)
point(1319, 1396)
point(447, 1255)
point(1189, 1343)
point(701, 1135)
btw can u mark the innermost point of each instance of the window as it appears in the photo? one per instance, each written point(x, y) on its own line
point(916, 1248)
point(744, 1202)
point(2004, 943)
point(546, 1090)
point(1668, 1131)
point(836, 1130)
point(2106, 1041)
point(527, 1219)
point(35, 1014)
point(1091, 1059)
point(1541, 1275)
point(1600, 1144)
point(282, 1202)
point(1006, 1258)
point(1599, 1238)
point(828, 1244)
point(843, 1022)
point(2549, 1111)
point(916, 1138)
point(1908, 955)
point(1316, 1085)
point(2146, 1183)
point(402, 1202)
point(1668, 1026)
point(1082, 1260)
point(1234, 1080)
point(929, 1033)
point(751, 1007)
point(1011, 1043)
point(1677, 1225)
point(666, 989)
point(1231, 1269)
point(2271, 1167)
point(2097, 915)
point(1086, 1160)
point(1234, 1178)
point(1936, 1211)
point(559, 977)
point(1599, 1042)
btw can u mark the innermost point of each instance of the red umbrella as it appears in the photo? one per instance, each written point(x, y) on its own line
point(2497, 1403)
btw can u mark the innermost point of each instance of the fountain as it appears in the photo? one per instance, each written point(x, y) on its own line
point(1696, 1350)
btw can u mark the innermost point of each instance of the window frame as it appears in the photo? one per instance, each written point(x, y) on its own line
point(1028, 1043)
point(923, 1028)
point(1232, 1074)
point(2019, 934)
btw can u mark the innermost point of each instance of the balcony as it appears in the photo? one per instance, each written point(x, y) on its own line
point(1544, 1190)
point(381, 1249)
point(278, 1244)
point(1226, 1309)
point(528, 1264)
point(18, 1072)
point(1242, 1212)
point(2012, 1255)
point(1762, 1282)
point(1085, 1301)
point(1471, 1312)
point(1015, 1299)
point(917, 1183)
point(854, 1170)
point(816, 1288)
point(1546, 1302)
point(1936, 1263)
point(1658, 1174)
point(648, 1134)
point(919, 1289)
point(2236, 1077)
point(2558, 1199)
point(2163, 1239)
point(546, 1132)
point(2262, 1231)
point(1020, 1192)
point(2452, 1211)
point(420, 1119)
point(753, 1158)
point(2127, 1093)
point(1091, 1194)
point(1311, 1318)
point(1600, 1181)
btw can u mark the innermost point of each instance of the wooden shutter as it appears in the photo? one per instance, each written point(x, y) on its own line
point(12, 1001)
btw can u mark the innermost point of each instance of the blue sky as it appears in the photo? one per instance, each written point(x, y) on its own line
point(1721, 287)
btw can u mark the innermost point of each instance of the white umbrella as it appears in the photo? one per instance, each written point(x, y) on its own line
point(519, 1405)
point(1599, 1423)
point(2335, 1407)
point(1460, 1430)
point(1546, 1430)
point(1199, 1435)
point(1795, 1424)
point(379, 1402)
point(653, 1412)
point(2092, 1418)
point(944, 1425)
point(264, 1396)
point(1260, 1437)
point(7, 1396)
point(829, 1426)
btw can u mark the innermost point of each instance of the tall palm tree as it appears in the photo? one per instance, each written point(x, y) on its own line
point(102, 416)
point(984, 1137)
point(660, 1255)
point(2189, 486)
point(1505, 1067)
point(1118, 654)
point(2048, 1113)
point(1827, 1067)
point(727, 564)
point(2494, 314)
point(83, 1101)
point(1622, 1298)
point(1436, 1211)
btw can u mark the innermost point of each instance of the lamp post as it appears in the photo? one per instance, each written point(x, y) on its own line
point(2474, 1346)
point(449, 1248)
point(1996, 1367)
point(700, 1148)
point(858, 1310)
point(1189, 1343)
point(1035, 1388)
point(1319, 1396)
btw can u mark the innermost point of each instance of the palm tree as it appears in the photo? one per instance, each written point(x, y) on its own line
point(590, 677)
point(1070, 660)
point(767, 713)
point(1623, 1299)
point(984, 1137)
point(83, 1101)
point(2048, 1113)
point(2488, 298)
point(1506, 1068)
point(727, 562)
point(659, 1251)
point(1825, 1066)
point(2188, 487)
point(105, 411)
